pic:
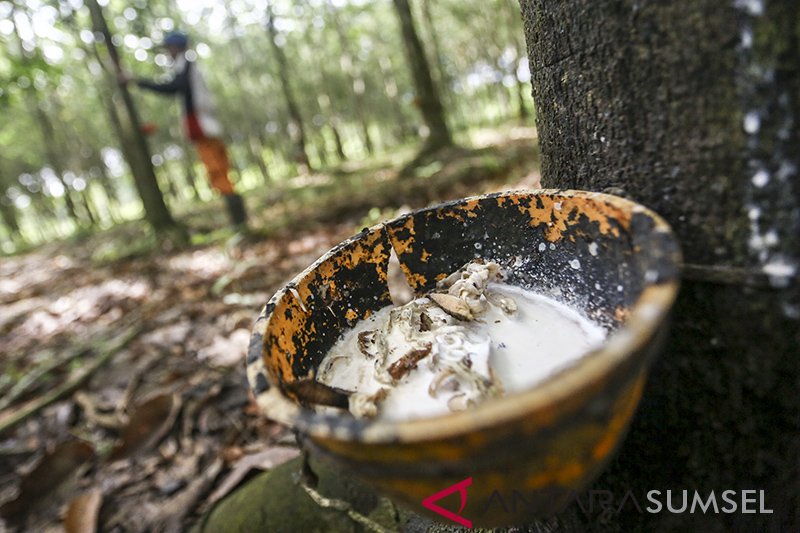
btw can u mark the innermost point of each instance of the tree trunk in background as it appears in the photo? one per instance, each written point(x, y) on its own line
point(692, 109)
point(8, 211)
point(255, 145)
point(321, 150)
point(256, 151)
point(337, 140)
point(93, 161)
point(131, 156)
point(512, 9)
point(299, 133)
point(144, 176)
point(52, 155)
point(88, 206)
point(354, 76)
point(188, 166)
point(428, 97)
point(442, 79)
point(391, 90)
point(325, 84)
point(9, 215)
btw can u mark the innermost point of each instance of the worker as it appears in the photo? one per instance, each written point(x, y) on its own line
point(201, 125)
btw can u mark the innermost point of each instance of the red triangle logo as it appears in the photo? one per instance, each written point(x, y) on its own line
point(461, 488)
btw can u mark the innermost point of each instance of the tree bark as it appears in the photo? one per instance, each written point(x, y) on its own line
point(144, 176)
point(427, 95)
point(692, 109)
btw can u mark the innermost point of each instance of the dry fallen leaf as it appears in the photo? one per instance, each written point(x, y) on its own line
point(54, 469)
point(148, 424)
point(226, 351)
point(82, 512)
point(231, 454)
point(171, 513)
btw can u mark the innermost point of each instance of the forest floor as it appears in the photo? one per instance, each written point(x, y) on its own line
point(123, 401)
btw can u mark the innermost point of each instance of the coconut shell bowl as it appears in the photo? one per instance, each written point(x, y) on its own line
point(614, 260)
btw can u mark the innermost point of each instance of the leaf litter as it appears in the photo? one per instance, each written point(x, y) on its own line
point(147, 420)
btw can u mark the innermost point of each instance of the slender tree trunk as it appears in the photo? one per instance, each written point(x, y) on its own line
point(95, 161)
point(693, 109)
point(428, 97)
point(442, 79)
point(325, 108)
point(297, 129)
point(188, 168)
point(355, 78)
point(391, 91)
point(172, 189)
point(337, 139)
point(88, 206)
point(52, 154)
point(256, 151)
point(156, 212)
point(8, 213)
point(47, 132)
point(512, 11)
point(255, 144)
point(66, 142)
point(322, 152)
point(324, 102)
point(522, 106)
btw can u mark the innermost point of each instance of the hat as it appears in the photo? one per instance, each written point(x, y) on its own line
point(177, 39)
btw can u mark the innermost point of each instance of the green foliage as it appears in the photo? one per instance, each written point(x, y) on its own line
point(348, 75)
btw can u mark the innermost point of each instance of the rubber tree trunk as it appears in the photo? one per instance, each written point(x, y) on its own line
point(298, 131)
point(428, 97)
point(337, 139)
point(442, 79)
point(390, 89)
point(355, 77)
point(52, 153)
point(144, 176)
point(9, 215)
point(255, 145)
point(511, 9)
point(326, 85)
point(33, 100)
point(98, 169)
point(692, 109)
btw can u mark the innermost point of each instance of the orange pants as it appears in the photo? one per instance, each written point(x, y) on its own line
point(215, 158)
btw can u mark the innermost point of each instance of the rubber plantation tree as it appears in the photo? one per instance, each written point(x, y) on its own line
point(8, 212)
point(29, 60)
point(693, 109)
point(430, 102)
point(352, 70)
point(296, 127)
point(155, 210)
